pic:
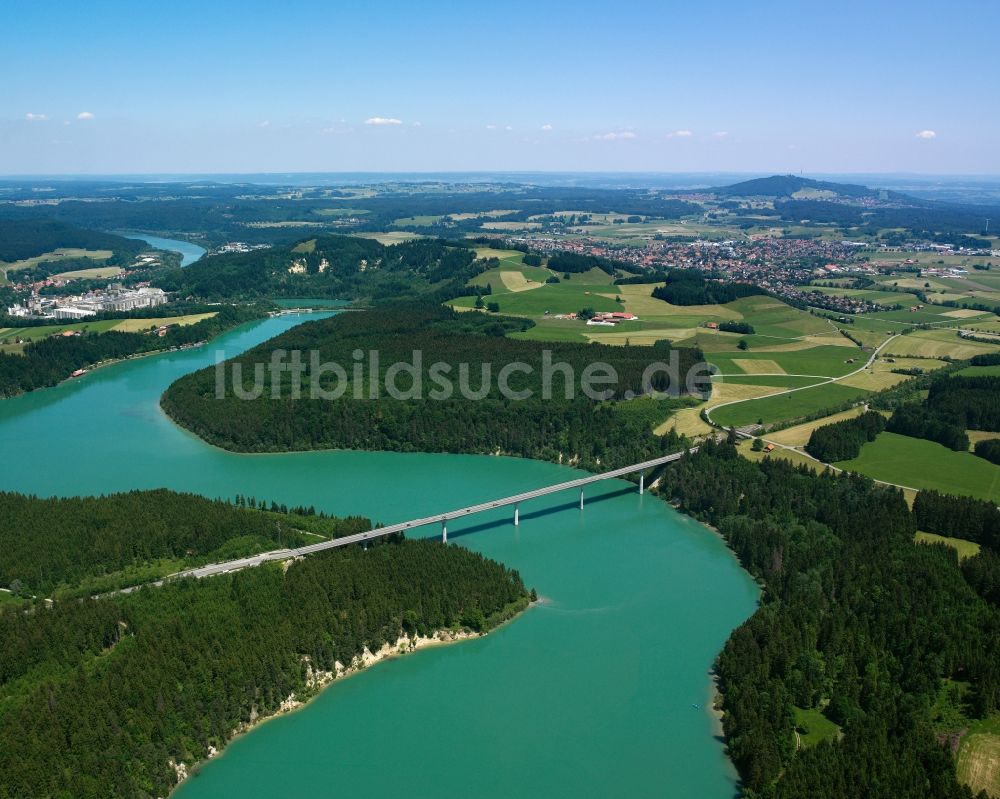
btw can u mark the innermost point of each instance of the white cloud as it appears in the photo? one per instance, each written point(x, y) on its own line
point(927, 134)
point(508, 127)
point(683, 134)
point(35, 117)
point(85, 115)
point(546, 126)
point(615, 135)
point(265, 124)
point(491, 127)
point(383, 121)
point(418, 124)
point(721, 134)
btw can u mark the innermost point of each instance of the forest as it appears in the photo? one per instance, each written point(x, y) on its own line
point(953, 404)
point(689, 287)
point(855, 621)
point(342, 267)
point(485, 420)
point(961, 517)
point(26, 238)
point(48, 361)
point(99, 696)
point(842, 441)
point(988, 449)
point(53, 543)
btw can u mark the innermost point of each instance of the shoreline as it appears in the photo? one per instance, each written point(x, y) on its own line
point(319, 681)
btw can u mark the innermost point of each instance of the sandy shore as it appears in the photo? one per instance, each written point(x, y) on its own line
point(316, 681)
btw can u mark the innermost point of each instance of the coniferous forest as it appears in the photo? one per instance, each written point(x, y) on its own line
point(855, 622)
point(99, 695)
point(581, 430)
point(50, 360)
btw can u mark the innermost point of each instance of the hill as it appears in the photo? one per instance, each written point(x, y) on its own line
point(433, 408)
point(789, 186)
point(28, 238)
point(345, 267)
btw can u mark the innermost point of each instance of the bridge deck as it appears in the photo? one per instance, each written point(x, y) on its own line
point(437, 518)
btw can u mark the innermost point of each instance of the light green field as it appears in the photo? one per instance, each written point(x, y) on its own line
point(44, 331)
point(972, 371)
point(390, 237)
point(418, 221)
point(29, 334)
point(965, 549)
point(781, 381)
point(819, 727)
point(792, 456)
point(798, 436)
point(822, 361)
point(979, 756)
point(938, 344)
point(335, 212)
point(97, 273)
point(918, 463)
point(138, 325)
point(785, 407)
point(60, 254)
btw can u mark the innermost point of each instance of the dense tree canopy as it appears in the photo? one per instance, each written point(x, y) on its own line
point(50, 360)
point(580, 429)
point(54, 542)
point(689, 287)
point(842, 441)
point(856, 621)
point(98, 696)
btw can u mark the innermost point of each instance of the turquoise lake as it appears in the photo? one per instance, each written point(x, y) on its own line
point(602, 690)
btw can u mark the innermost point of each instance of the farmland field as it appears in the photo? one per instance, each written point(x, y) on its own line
point(965, 549)
point(798, 436)
point(937, 344)
point(979, 756)
point(61, 254)
point(97, 273)
point(785, 407)
point(924, 464)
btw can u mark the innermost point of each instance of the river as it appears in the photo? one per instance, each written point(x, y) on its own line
point(188, 252)
point(601, 690)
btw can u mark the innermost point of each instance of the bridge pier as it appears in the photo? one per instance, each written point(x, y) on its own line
point(642, 483)
point(444, 531)
point(581, 498)
point(516, 516)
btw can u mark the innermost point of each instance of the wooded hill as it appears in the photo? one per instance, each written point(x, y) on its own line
point(50, 360)
point(856, 622)
point(344, 267)
point(26, 238)
point(98, 696)
point(597, 433)
point(55, 543)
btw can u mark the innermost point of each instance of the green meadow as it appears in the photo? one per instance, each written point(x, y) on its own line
point(918, 463)
point(787, 407)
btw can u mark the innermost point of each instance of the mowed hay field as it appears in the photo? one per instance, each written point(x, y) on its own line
point(979, 757)
point(97, 273)
point(798, 436)
point(138, 325)
point(817, 361)
point(918, 463)
point(61, 254)
point(938, 344)
point(787, 407)
point(965, 549)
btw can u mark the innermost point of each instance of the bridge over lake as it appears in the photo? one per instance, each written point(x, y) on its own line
point(514, 500)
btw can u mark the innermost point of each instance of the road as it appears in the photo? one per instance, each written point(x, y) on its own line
point(438, 518)
point(871, 360)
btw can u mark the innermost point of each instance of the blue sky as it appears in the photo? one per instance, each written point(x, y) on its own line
point(105, 87)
